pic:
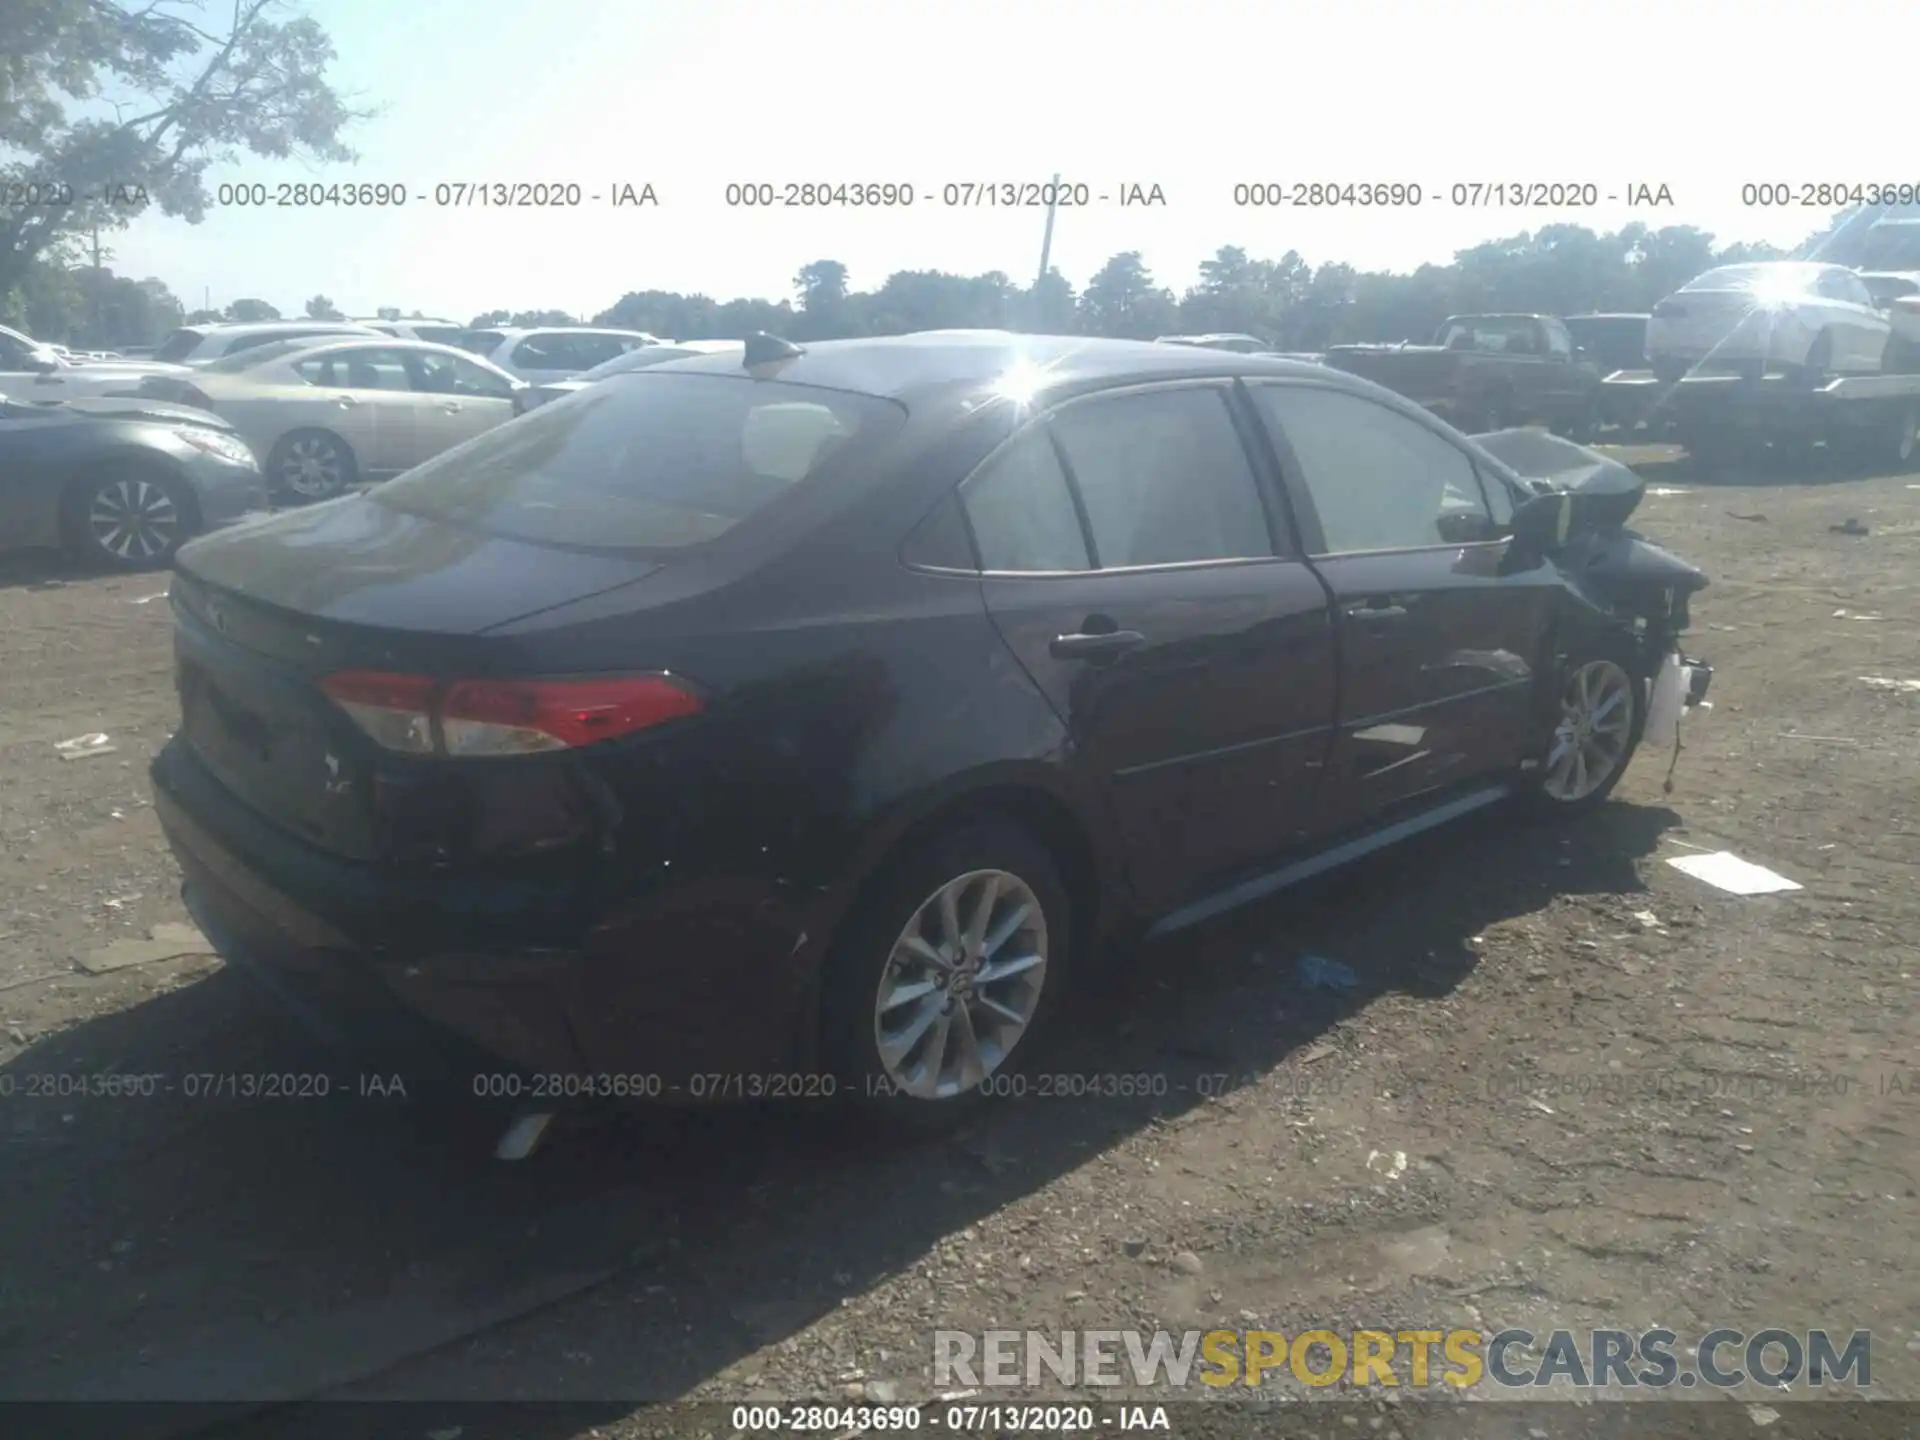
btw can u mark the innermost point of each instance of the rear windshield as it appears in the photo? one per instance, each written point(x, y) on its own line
point(178, 345)
point(642, 462)
point(480, 342)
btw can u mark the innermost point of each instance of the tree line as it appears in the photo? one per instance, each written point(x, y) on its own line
point(1558, 269)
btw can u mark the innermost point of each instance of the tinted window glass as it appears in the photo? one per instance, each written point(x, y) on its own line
point(1558, 342)
point(1021, 509)
point(452, 375)
point(249, 356)
point(658, 462)
point(481, 342)
point(440, 334)
point(941, 540)
point(368, 369)
point(1379, 480)
point(566, 352)
point(177, 346)
point(1164, 478)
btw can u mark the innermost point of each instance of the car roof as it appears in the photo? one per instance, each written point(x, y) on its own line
point(931, 364)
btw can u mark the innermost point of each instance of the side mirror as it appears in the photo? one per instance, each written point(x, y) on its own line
point(41, 363)
point(1541, 525)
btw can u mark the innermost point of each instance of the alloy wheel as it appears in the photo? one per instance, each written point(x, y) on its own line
point(133, 520)
point(962, 984)
point(1590, 742)
point(312, 468)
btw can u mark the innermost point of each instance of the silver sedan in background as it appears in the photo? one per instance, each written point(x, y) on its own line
point(323, 416)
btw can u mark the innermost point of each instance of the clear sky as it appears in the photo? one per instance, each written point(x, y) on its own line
point(689, 95)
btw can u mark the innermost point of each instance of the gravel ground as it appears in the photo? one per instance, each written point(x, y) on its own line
point(1573, 1086)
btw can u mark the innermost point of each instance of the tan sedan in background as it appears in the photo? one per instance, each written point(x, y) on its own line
point(323, 416)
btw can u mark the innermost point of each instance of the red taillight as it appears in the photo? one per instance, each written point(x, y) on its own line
point(423, 716)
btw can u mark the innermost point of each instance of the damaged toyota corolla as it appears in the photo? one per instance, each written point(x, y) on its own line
point(804, 722)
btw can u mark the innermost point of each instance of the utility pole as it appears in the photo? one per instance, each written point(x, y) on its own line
point(1046, 244)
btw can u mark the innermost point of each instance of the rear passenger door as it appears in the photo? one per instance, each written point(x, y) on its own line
point(375, 408)
point(1143, 575)
point(1437, 647)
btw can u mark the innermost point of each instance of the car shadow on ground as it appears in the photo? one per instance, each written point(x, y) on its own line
point(193, 1240)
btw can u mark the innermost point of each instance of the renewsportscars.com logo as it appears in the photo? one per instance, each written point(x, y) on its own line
point(1659, 1359)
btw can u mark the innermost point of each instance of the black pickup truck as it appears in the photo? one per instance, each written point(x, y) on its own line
point(1488, 372)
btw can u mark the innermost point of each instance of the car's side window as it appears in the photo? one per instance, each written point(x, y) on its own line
point(357, 370)
point(1021, 509)
point(1559, 343)
point(1164, 478)
point(1378, 480)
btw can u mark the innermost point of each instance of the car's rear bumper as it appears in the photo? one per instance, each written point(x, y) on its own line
point(683, 984)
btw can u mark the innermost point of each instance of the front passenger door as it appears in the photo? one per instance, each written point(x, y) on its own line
point(1437, 647)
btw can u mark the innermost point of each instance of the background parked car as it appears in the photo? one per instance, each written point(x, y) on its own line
point(641, 359)
point(554, 352)
point(436, 332)
point(202, 344)
point(323, 416)
point(1487, 372)
point(124, 482)
point(1897, 293)
point(1808, 319)
point(30, 370)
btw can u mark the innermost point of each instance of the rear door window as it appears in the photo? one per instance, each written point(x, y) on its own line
point(658, 463)
point(1022, 512)
point(1164, 478)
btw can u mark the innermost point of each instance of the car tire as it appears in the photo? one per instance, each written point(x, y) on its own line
point(1595, 681)
point(308, 466)
point(127, 516)
point(905, 1090)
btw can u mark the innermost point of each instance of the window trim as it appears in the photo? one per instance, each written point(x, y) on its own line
point(1282, 530)
point(1313, 535)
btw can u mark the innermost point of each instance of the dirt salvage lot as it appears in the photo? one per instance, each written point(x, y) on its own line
point(1574, 1086)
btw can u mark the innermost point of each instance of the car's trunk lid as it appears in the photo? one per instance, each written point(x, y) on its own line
point(356, 562)
point(265, 612)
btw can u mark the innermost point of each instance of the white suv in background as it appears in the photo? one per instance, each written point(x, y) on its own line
point(201, 344)
point(554, 352)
